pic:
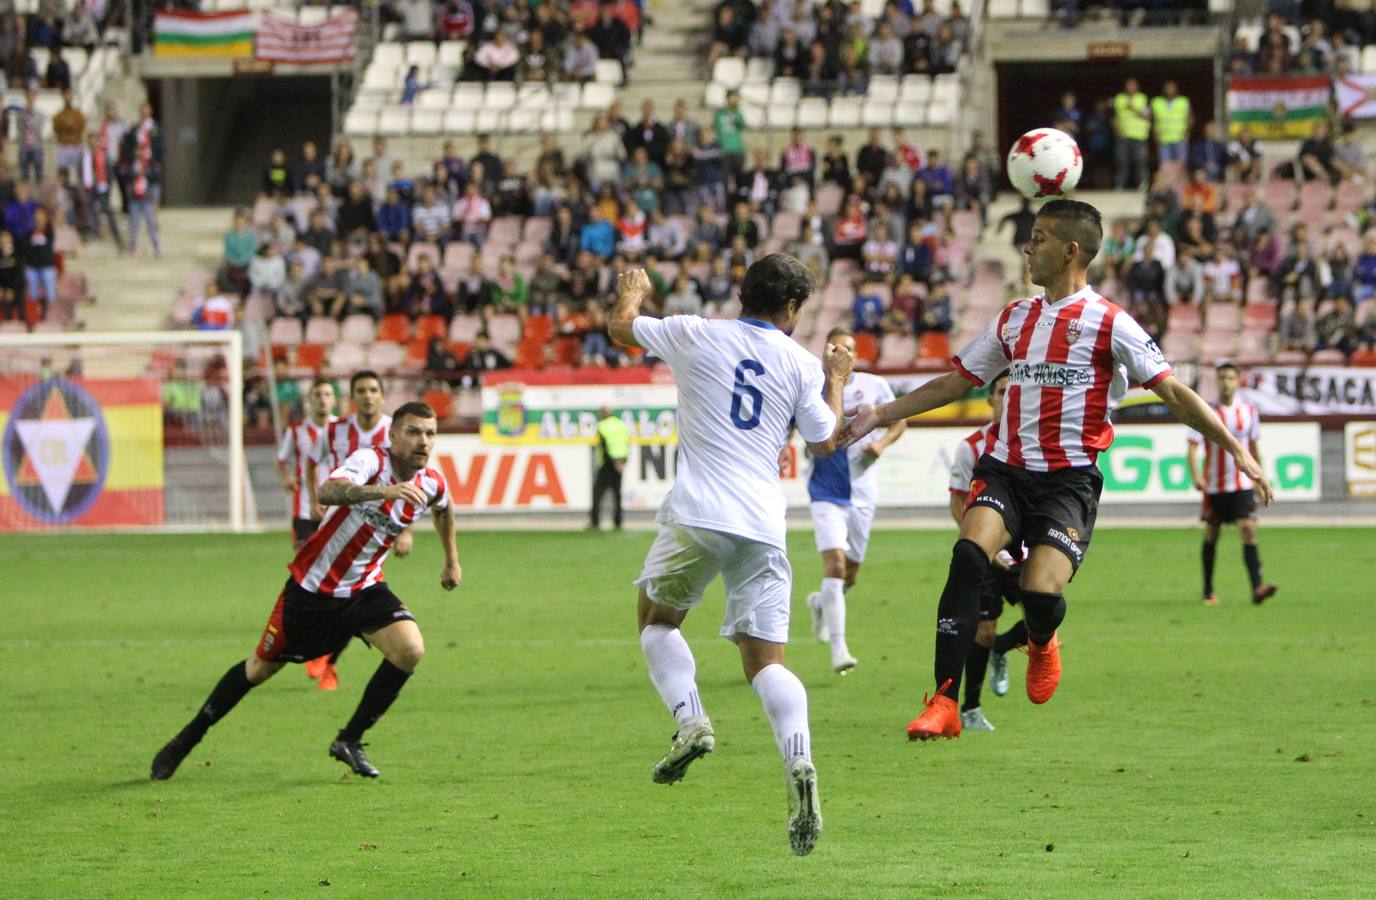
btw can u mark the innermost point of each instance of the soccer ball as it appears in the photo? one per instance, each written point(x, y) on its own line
point(1044, 164)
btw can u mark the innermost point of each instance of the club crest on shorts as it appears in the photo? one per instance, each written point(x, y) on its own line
point(1073, 329)
point(1073, 534)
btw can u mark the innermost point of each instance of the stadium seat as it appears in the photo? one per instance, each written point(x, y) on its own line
point(1180, 346)
point(1368, 59)
point(394, 327)
point(360, 122)
point(883, 87)
point(539, 328)
point(420, 53)
point(451, 54)
point(441, 400)
point(785, 91)
point(608, 72)
point(417, 354)
point(877, 114)
point(729, 71)
point(1364, 358)
point(458, 255)
point(427, 121)
point(322, 330)
point(489, 120)
point(754, 116)
point(504, 231)
point(420, 249)
point(934, 346)
point(1259, 316)
point(394, 122)
point(897, 350)
point(459, 121)
point(258, 308)
point(431, 326)
point(500, 96)
point(310, 357)
point(467, 95)
point(715, 96)
point(530, 355)
point(1328, 358)
point(759, 69)
point(915, 89)
point(385, 356)
point(866, 347)
point(829, 197)
point(1223, 317)
point(537, 229)
point(1218, 346)
point(284, 332)
point(358, 329)
point(910, 114)
point(504, 329)
point(526, 118)
point(1035, 9)
point(845, 112)
point(597, 96)
point(346, 357)
point(755, 92)
point(781, 116)
point(1291, 358)
point(568, 351)
point(812, 113)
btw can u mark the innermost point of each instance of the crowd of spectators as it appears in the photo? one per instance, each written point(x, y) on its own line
point(687, 200)
point(832, 48)
point(535, 42)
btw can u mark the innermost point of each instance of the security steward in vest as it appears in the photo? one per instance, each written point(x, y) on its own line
point(613, 446)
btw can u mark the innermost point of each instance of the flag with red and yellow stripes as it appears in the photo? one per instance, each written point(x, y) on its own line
point(80, 452)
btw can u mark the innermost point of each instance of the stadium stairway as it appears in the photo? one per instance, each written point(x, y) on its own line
point(135, 293)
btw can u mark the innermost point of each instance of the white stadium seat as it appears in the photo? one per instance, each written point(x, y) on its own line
point(782, 115)
point(877, 114)
point(755, 92)
point(845, 112)
point(394, 122)
point(427, 121)
point(420, 53)
point(558, 119)
point(459, 121)
point(389, 53)
point(1036, 9)
point(939, 115)
point(608, 72)
point(597, 96)
point(909, 113)
point(715, 96)
point(785, 90)
point(883, 87)
point(525, 118)
point(490, 120)
point(915, 89)
point(467, 95)
point(501, 96)
point(812, 112)
point(1003, 9)
point(754, 115)
point(729, 70)
point(360, 122)
point(759, 68)
point(433, 98)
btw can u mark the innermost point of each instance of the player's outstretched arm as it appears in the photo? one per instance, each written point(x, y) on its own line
point(632, 287)
point(452, 573)
point(837, 364)
point(313, 489)
point(1192, 456)
point(933, 395)
point(1190, 408)
point(342, 492)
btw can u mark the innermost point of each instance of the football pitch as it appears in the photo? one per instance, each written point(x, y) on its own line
point(1189, 751)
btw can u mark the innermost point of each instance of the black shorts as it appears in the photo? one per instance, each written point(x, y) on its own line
point(301, 531)
point(1000, 586)
point(1229, 506)
point(1056, 509)
point(304, 625)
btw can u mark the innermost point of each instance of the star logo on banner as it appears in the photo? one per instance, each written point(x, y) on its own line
point(55, 451)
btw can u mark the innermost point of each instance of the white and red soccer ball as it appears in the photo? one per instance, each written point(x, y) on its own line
point(1045, 164)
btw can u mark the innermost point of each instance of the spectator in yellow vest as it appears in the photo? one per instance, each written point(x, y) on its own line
point(1132, 127)
point(613, 446)
point(1172, 116)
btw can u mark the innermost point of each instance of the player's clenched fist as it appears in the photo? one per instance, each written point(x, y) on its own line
point(633, 284)
point(405, 492)
point(451, 576)
point(838, 360)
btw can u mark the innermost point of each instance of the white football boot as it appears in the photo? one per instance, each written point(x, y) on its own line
point(693, 740)
point(819, 621)
point(804, 806)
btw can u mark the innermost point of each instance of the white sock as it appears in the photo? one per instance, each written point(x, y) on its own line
point(672, 670)
point(785, 703)
point(834, 611)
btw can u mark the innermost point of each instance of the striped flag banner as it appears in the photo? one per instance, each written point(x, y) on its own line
point(1277, 106)
point(80, 452)
point(284, 41)
point(220, 34)
point(1356, 96)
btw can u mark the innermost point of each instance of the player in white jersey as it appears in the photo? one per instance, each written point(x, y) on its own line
point(741, 384)
point(1227, 490)
point(366, 426)
point(1070, 356)
point(293, 451)
point(336, 589)
point(842, 491)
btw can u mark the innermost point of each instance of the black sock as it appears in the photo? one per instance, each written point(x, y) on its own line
point(1043, 614)
point(231, 689)
point(1011, 639)
point(957, 614)
point(334, 657)
point(1207, 554)
point(382, 689)
point(1252, 558)
point(976, 666)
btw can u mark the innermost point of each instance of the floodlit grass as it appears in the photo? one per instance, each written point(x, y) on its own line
point(1190, 751)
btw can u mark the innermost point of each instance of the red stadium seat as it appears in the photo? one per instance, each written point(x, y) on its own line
point(866, 347)
point(935, 346)
point(431, 326)
point(310, 356)
point(441, 400)
point(394, 327)
point(568, 351)
point(539, 328)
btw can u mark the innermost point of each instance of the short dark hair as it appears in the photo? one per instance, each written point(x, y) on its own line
point(362, 374)
point(417, 408)
point(1226, 364)
point(837, 332)
point(1076, 221)
point(772, 283)
point(322, 380)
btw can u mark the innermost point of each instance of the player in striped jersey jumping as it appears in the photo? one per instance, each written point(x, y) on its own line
point(336, 589)
point(1070, 356)
point(1228, 492)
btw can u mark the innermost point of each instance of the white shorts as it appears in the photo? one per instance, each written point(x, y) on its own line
point(683, 560)
point(840, 527)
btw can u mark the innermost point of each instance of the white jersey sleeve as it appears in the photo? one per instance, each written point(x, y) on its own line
point(963, 468)
point(667, 338)
point(319, 452)
point(1135, 349)
point(441, 496)
point(985, 358)
point(1254, 425)
point(360, 467)
point(285, 447)
point(814, 418)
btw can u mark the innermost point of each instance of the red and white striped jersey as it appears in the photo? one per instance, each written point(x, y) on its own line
point(345, 554)
point(1221, 474)
point(968, 452)
point(295, 446)
point(342, 438)
point(1069, 363)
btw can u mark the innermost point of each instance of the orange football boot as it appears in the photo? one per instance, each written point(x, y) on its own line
point(329, 681)
point(1043, 669)
point(940, 719)
point(1211, 599)
point(316, 667)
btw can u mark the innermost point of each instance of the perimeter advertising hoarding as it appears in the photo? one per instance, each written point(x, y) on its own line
point(1146, 464)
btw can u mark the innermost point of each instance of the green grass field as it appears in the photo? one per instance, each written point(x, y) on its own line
point(1189, 752)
